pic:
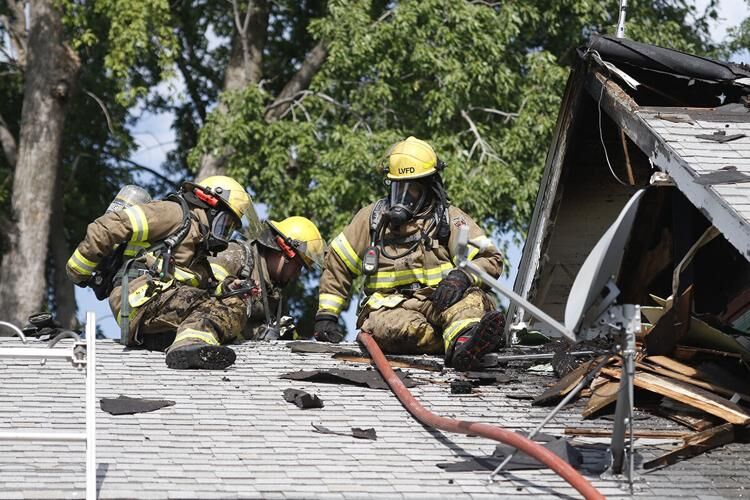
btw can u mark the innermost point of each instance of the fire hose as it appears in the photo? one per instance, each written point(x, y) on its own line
point(531, 448)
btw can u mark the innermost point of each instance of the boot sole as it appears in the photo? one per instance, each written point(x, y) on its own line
point(203, 357)
point(485, 339)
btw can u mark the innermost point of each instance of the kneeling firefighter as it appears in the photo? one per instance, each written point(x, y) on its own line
point(416, 301)
point(272, 256)
point(150, 259)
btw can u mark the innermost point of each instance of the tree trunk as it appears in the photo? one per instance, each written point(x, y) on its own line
point(51, 74)
point(238, 74)
point(64, 290)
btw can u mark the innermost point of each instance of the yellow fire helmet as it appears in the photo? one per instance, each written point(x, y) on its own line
point(410, 159)
point(227, 190)
point(299, 235)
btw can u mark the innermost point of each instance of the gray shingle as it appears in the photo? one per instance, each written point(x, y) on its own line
point(223, 442)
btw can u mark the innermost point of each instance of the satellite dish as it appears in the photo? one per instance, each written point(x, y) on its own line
point(602, 263)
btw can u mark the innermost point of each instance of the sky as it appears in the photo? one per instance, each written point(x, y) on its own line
point(155, 139)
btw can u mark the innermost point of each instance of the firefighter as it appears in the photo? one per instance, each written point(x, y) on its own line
point(163, 283)
point(272, 256)
point(416, 301)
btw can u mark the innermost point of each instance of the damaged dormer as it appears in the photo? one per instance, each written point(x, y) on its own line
point(635, 115)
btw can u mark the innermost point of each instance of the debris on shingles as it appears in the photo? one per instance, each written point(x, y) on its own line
point(682, 373)
point(225, 379)
point(720, 136)
point(302, 399)
point(639, 433)
point(566, 384)
point(695, 445)
point(342, 353)
point(364, 378)
point(563, 362)
point(724, 175)
point(397, 361)
point(356, 432)
point(487, 378)
point(567, 356)
point(521, 461)
point(531, 337)
point(674, 118)
point(461, 386)
point(124, 405)
point(520, 396)
point(543, 368)
point(307, 347)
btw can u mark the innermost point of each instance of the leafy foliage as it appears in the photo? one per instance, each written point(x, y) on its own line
point(740, 36)
point(137, 34)
point(481, 81)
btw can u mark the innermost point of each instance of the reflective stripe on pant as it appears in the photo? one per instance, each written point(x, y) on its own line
point(415, 327)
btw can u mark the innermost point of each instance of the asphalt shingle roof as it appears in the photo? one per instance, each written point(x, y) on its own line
point(232, 435)
point(706, 156)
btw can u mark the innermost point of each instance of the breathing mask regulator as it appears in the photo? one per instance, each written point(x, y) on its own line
point(412, 171)
point(406, 200)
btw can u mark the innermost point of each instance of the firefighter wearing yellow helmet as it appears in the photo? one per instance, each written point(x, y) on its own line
point(416, 300)
point(151, 261)
point(272, 255)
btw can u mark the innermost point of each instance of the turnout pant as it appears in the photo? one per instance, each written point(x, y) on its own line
point(414, 326)
point(189, 315)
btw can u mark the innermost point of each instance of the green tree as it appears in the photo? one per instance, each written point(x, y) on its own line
point(73, 74)
point(482, 81)
point(739, 37)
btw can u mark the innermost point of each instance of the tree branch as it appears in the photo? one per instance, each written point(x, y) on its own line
point(486, 150)
point(505, 114)
point(484, 2)
point(104, 110)
point(301, 80)
point(137, 166)
point(9, 143)
point(191, 84)
point(241, 28)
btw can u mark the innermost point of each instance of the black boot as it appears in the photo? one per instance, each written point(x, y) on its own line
point(470, 346)
point(200, 355)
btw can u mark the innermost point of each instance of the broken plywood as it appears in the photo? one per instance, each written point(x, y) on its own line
point(692, 396)
point(567, 383)
point(692, 421)
point(601, 397)
point(659, 370)
point(695, 445)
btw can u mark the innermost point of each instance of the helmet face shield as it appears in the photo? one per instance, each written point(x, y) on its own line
point(302, 237)
point(312, 252)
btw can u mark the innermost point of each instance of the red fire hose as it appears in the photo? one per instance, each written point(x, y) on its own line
point(531, 448)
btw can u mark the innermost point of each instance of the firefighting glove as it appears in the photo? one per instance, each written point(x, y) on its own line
point(327, 329)
point(450, 289)
point(283, 329)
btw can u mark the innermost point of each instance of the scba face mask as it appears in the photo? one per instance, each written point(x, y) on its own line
point(222, 225)
point(407, 199)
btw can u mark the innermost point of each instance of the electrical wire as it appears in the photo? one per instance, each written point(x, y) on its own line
point(601, 138)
